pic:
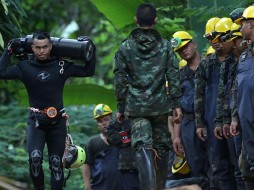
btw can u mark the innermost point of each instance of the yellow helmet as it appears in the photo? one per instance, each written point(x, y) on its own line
point(248, 13)
point(101, 110)
point(182, 63)
point(180, 39)
point(210, 27)
point(210, 50)
point(235, 31)
point(180, 165)
point(222, 27)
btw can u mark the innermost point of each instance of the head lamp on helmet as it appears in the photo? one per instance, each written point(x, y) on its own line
point(176, 42)
point(180, 39)
point(216, 36)
point(233, 34)
point(226, 37)
point(101, 110)
point(208, 36)
point(222, 27)
point(248, 13)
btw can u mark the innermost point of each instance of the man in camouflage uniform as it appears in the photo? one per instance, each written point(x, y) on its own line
point(206, 88)
point(233, 46)
point(243, 111)
point(143, 63)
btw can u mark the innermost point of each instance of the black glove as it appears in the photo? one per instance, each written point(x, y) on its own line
point(13, 45)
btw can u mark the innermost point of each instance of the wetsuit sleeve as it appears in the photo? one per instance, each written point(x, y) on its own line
point(120, 79)
point(218, 121)
point(78, 70)
point(173, 77)
point(12, 72)
point(199, 96)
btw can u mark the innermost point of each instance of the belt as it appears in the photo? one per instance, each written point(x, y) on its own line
point(189, 116)
point(51, 112)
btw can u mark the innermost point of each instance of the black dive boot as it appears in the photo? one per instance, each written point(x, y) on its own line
point(161, 169)
point(147, 176)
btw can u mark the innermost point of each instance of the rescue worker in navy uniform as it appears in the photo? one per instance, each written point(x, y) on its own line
point(206, 88)
point(209, 28)
point(194, 148)
point(243, 112)
point(234, 46)
point(118, 134)
point(46, 123)
point(100, 171)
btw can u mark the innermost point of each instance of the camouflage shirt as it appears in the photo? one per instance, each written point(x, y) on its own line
point(143, 63)
point(234, 110)
point(201, 80)
point(227, 72)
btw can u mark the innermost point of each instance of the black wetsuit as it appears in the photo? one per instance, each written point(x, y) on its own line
point(44, 84)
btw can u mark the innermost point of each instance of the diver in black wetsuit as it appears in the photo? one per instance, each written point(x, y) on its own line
point(44, 78)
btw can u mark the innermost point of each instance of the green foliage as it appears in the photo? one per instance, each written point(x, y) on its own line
point(124, 9)
point(108, 38)
point(10, 11)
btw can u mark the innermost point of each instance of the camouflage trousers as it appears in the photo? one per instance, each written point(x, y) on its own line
point(151, 132)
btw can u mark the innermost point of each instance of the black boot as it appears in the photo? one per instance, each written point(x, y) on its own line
point(249, 185)
point(147, 176)
point(161, 171)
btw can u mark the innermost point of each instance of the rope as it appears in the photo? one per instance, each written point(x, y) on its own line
point(155, 156)
point(68, 141)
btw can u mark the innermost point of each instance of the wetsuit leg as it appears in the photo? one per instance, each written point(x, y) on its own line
point(55, 139)
point(35, 144)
